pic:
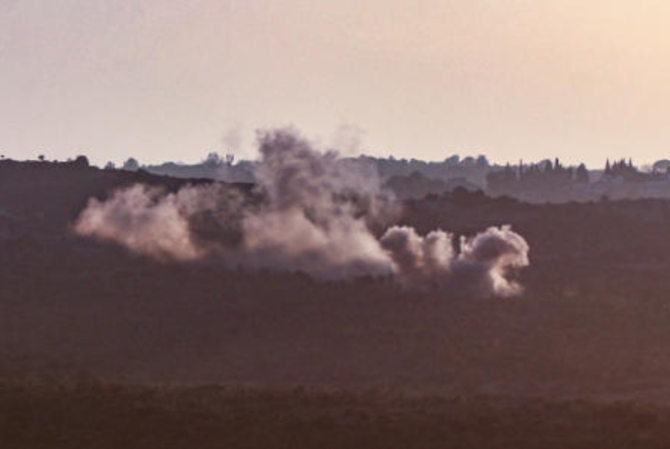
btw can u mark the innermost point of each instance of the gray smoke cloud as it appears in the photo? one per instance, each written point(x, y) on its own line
point(316, 215)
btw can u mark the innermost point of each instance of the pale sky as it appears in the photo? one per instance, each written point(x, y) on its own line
point(173, 79)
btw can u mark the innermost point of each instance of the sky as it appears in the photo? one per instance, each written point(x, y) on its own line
point(162, 80)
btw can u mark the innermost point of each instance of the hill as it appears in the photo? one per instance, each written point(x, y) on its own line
point(592, 320)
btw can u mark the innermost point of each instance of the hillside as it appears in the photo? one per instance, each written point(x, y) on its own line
point(592, 321)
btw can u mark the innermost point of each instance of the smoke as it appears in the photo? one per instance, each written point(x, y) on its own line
point(486, 260)
point(308, 223)
point(312, 212)
point(232, 139)
point(481, 267)
point(348, 139)
point(145, 220)
point(419, 261)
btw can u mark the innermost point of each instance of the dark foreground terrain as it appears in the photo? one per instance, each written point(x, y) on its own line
point(48, 416)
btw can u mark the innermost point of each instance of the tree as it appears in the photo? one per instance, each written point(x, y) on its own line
point(582, 174)
point(452, 160)
point(110, 166)
point(131, 164)
point(546, 165)
point(661, 166)
point(41, 158)
point(81, 162)
point(468, 161)
point(482, 161)
point(213, 159)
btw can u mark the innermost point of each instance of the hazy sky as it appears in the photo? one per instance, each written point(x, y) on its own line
point(174, 79)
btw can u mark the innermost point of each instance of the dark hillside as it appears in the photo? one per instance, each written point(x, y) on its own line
point(53, 194)
point(593, 319)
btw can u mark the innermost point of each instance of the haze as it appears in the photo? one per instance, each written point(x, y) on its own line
point(172, 80)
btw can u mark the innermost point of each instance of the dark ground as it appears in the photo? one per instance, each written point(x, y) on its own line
point(38, 416)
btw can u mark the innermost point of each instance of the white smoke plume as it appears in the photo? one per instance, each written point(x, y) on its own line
point(480, 268)
point(144, 219)
point(486, 260)
point(419, 260)
point(316, 216)
point(306, 224)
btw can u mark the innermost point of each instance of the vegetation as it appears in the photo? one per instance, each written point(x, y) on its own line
point(89, 415)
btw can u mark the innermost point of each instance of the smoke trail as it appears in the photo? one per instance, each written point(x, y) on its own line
point(315, 216)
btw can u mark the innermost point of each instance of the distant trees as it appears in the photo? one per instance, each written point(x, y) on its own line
point(468, 161)
point(543, 179)
point(625, 170)
point(548, 178)
point(214, 160)
point(452, 160)
point(473, 169)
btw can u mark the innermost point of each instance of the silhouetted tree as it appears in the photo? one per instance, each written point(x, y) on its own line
point(582, 174)
point(81, 162)
point(452, 160)
point(213, 159)
point(661, 166)
point(131, 164)
point(468, 161)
